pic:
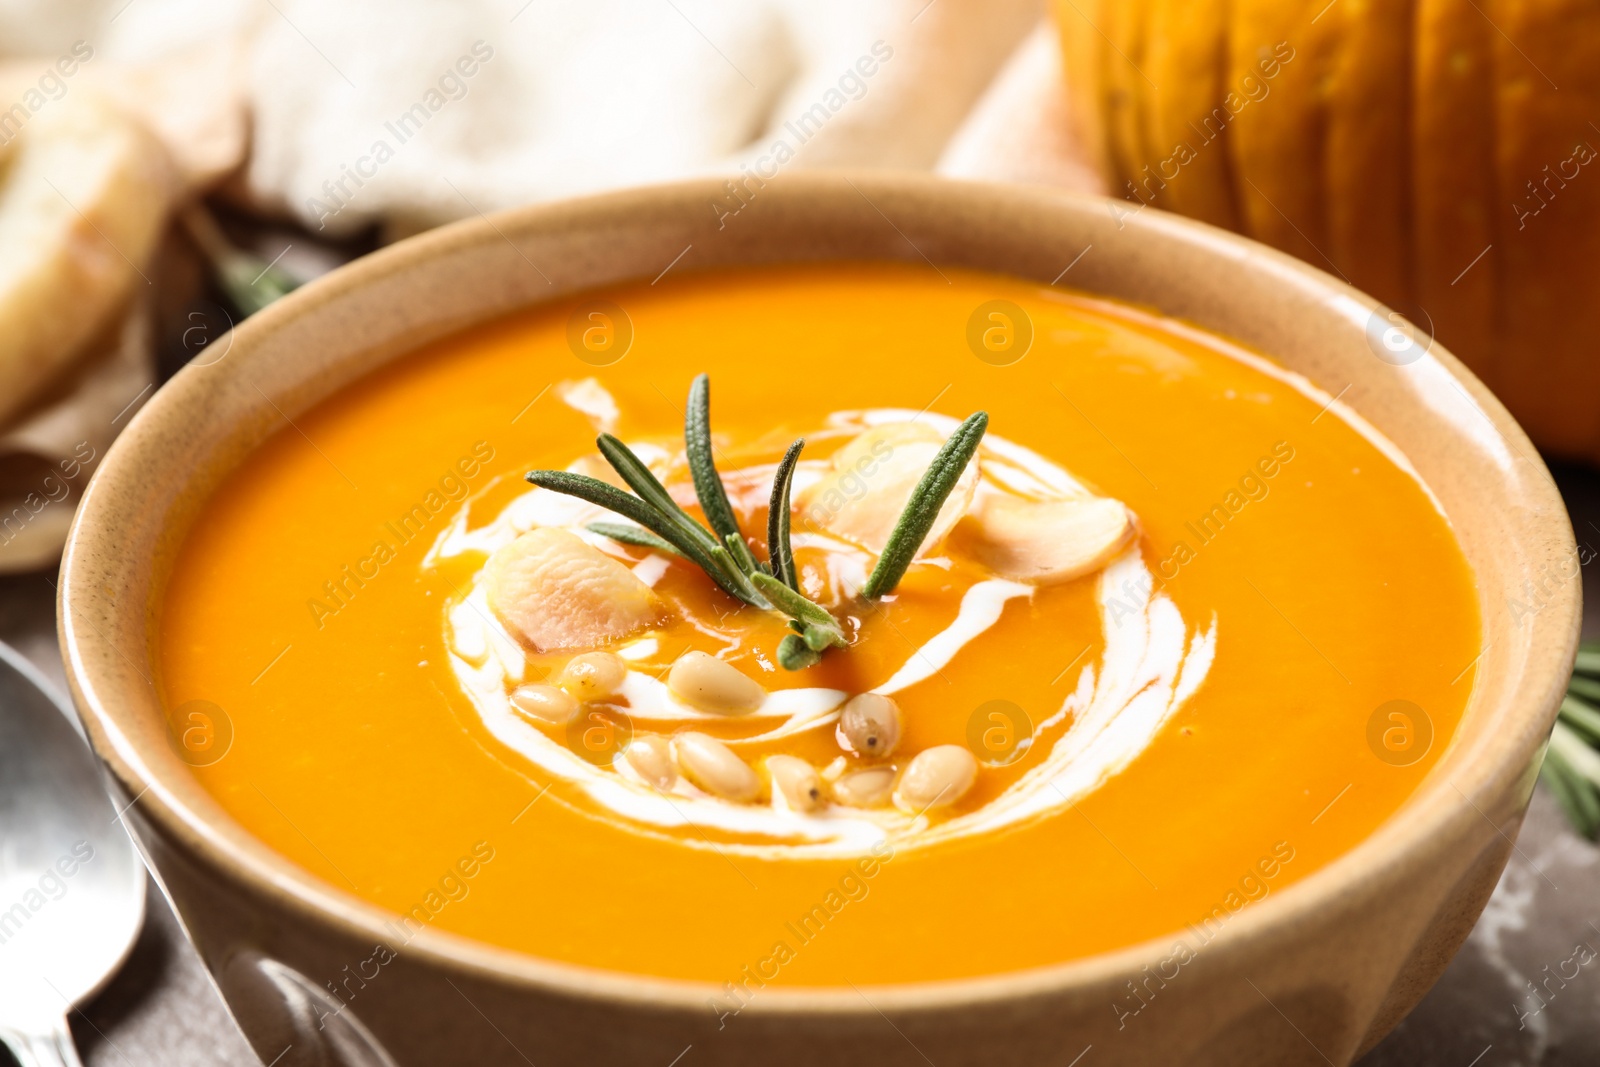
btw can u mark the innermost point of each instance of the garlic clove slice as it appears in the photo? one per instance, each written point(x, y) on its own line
point(873, 476)
point(553, 591)
point(1044, 541)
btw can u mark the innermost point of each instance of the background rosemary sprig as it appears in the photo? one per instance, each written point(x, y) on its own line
point(250, 282)
point(1571, 763)
point(923, 506)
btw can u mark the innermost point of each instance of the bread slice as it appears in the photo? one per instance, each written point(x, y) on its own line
point(83, 198)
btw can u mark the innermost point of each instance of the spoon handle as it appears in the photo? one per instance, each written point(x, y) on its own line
point(52, 1048)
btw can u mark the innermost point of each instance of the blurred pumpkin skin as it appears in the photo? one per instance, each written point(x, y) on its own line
point(1435, 153)
point(1453, 176)
point(1187, 62)
point(1369, 114)
point(1278, 143)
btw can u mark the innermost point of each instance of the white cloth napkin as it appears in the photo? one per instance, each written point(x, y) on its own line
point(483, 105)
point(406, 114)
point(411, 113)
point(1021, 129)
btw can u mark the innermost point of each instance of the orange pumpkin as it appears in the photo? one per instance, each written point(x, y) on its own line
point(1435, 153)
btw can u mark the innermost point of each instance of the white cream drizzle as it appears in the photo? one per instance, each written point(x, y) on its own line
point(1151, 664)
point(591, 399)
point(981, 606)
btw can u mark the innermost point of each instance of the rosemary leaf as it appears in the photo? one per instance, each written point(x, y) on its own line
point(923, 507)
point(794, 655)
point(642, 481)
point(250, 282)
point(1581, 716)
point(1571, 763)
point(1575, 753)
point(707, 482)
point(779, 550)
point(633, 535)
point(821, 638)
point(1589, 805)
point(1588, 688)
point(633, 471)
point(631, 507)
point(604, 494)
point(791, 603)
point(1566, 787)
point(1579, 768)
point(820, 629)
point(748, 594)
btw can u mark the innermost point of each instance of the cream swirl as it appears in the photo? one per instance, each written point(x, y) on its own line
point(1151, 663)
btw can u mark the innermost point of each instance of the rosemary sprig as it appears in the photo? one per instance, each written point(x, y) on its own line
point(727, 560)
point(923, 507)
point(250, 282)
point(1571, 763)
point(725, 556)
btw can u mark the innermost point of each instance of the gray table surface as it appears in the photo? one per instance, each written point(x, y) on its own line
point(163, 1010)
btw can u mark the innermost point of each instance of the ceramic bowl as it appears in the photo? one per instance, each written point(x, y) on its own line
point(1313, 974)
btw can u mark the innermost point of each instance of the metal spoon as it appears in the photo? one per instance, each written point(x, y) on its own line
point(71, 885)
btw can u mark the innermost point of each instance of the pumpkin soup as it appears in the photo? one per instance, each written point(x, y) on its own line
point(765, 627)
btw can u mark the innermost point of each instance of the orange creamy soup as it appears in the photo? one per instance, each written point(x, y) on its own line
point(1183, 631)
